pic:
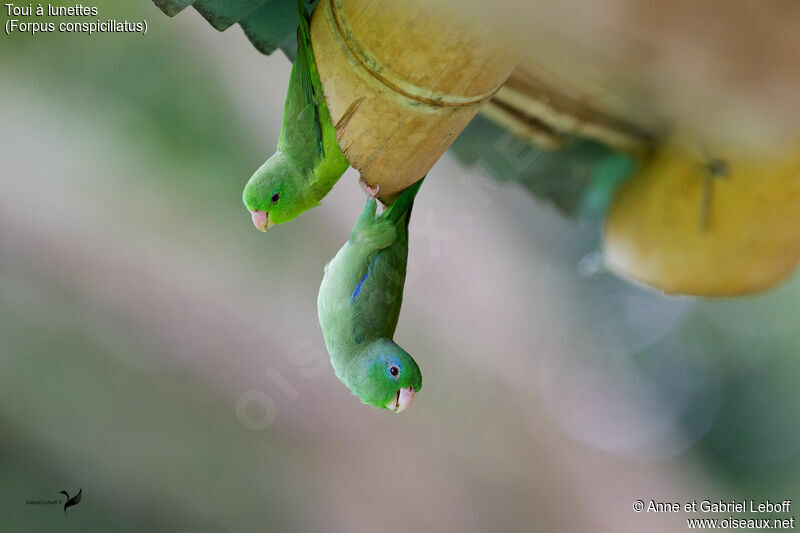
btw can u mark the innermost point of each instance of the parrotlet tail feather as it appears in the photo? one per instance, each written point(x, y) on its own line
point(403, 204)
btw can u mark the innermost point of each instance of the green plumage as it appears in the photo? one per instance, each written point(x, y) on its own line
point(359, 304)
point(308, 162)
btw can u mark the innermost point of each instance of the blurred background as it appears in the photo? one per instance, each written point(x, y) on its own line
point(163, 356)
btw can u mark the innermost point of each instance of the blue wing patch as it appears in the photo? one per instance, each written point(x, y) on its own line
point(358, 287)
point(370, 268)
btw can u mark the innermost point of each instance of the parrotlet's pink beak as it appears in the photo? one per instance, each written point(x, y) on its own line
point(403, 399)
point(261, 220)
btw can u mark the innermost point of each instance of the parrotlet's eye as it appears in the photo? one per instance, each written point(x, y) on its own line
point(275, 198)
point(394, 370)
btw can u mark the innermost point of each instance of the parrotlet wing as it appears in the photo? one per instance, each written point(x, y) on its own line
point(307, 128)
point(376, 300)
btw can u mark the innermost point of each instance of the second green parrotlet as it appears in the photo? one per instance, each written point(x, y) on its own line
point(308, 162)
point(359, 305)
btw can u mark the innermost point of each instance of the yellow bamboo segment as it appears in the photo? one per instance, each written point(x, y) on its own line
point(402, 80)
point(711, 223)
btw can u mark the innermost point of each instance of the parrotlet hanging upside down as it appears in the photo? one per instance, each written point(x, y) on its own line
point(308, 162)
point(359, 304)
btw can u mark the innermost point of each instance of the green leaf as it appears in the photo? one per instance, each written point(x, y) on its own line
point(268, 24)
point(580, 178)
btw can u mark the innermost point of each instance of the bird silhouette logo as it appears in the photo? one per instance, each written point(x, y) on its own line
point(75, 500)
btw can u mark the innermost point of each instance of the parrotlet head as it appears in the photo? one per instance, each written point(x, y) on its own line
point(277, 192)
point(385, 376)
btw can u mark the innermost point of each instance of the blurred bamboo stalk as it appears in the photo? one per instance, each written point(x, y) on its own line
point(723, 74)
point(535, 105)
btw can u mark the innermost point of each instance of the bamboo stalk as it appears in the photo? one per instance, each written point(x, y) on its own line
point(535, 104)
point(402, 81)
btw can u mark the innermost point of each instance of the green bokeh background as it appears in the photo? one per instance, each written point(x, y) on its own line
point(138, 306)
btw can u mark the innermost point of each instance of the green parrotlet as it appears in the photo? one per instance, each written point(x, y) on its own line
point(308, 162)
point(359, 305)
